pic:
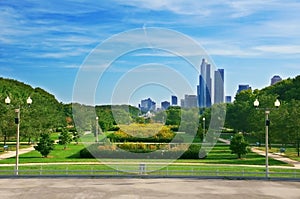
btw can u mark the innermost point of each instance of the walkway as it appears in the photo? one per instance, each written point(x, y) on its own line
point(281, 158)
point(10, 154)
point(295, 163)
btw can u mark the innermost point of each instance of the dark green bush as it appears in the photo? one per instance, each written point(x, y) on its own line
point(96, 151)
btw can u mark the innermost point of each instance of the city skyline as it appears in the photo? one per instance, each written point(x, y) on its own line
point(45, 44)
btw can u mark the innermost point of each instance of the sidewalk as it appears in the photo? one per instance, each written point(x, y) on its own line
point(295, 163)
point(10, 154)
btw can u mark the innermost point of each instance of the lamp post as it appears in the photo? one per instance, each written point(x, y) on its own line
point(17, 121)
point(97, 118)
point(203, 128)
point(267, 124)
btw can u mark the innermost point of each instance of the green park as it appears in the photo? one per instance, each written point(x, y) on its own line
point(67, 139)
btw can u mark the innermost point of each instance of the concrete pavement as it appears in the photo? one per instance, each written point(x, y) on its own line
point(74, 188)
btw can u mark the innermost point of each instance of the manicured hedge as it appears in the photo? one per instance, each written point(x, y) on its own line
point(164, 135)
point(98, 151)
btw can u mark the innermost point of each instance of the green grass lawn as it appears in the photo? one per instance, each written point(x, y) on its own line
point(91, 138)
point(220, 154)
point(170, 170)
point(71, 154)
point(219, 162)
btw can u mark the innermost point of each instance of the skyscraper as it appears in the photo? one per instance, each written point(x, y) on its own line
point(147, 105)
point(219, 86)
point(174, 100)
point(228, 99)
point(189, 101)
point(165, 105)
point(243, 87)
point(275, 79)
point(204, 87)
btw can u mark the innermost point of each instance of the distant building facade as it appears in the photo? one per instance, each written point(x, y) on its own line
point(243, 87)
point(204, 87)
point(275, 79)
point(189, 101)
point(228, 99)
point(208, 93)
point(147, 105)
point(219, 86)
point(174, 100)
point(182, 103)
point(165, 105)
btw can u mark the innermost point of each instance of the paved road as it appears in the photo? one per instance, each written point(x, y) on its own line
point(145, 189)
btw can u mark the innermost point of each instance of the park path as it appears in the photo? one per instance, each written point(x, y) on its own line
point(10, 154)
point(281, 158)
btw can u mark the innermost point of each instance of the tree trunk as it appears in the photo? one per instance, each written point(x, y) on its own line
point(4, 139)
point(298, 150)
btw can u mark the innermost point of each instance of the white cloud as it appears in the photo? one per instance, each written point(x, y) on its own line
point(279, 49)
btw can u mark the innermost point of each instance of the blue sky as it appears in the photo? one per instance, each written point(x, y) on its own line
point(46, 43)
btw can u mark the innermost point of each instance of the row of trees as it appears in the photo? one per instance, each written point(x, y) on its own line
point(284, 122)
point(46, 144)
point(45, 113)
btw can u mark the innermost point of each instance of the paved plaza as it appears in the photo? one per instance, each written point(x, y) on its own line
point(80, 188)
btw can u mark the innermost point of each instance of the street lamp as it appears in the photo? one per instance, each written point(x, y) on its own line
point(203, 127)
point(267, 124)
point(97, 118)
point(17, 121)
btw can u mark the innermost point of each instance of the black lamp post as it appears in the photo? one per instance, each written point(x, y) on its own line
point(17, 121)
point(267, 124)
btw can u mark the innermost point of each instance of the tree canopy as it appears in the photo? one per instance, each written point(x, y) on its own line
point(44, 114)
point(285, 123)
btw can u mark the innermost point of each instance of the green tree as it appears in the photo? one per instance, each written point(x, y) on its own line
point(286, 127)
point(77, 135)
point(45, 145)
point(173, 115)
point(239, 113)
point(64, 138)
point(44, 114)
point(238, 145)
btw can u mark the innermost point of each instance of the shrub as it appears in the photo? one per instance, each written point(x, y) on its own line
point(138, 152)
point(142, 133)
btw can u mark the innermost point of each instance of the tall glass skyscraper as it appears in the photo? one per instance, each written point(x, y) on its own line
point(204, 87)
point(219, 86)
point(174, 100)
